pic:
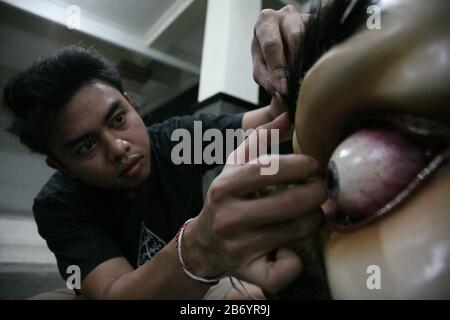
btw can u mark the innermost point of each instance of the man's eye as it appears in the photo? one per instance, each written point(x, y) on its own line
point(119, 119)
point(86, 147)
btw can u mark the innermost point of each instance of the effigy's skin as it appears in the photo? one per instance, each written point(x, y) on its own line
point(398, 72)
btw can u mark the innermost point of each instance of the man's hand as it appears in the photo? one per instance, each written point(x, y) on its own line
point(276, 47)
point(240, 234)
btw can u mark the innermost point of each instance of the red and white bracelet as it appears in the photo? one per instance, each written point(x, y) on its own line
point(178, 241)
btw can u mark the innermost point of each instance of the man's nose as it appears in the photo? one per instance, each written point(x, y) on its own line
point(117, 149)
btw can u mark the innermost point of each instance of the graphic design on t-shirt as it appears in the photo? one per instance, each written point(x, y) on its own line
point(149, 245)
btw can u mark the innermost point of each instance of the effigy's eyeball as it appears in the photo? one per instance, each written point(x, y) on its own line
point(369, 169)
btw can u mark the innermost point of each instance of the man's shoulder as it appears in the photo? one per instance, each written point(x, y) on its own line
point(169, 124)
point(60, 188)
point(231, 120)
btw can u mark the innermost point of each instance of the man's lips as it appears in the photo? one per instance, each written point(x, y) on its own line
point(130, 165)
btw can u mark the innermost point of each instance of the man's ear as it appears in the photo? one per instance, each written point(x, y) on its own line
point(55, 164)
point(128, 98)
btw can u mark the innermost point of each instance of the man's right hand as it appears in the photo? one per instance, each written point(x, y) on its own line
point(237, 233)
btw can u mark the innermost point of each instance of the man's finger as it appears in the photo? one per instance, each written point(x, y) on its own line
point(281, 272)
point(293, 31)
point(278, 105)
point(270, 40)
point(261, 138)
point(291, 168)
point(276, 235)
point(261, 73)
point(290, 203)
point(274, 275)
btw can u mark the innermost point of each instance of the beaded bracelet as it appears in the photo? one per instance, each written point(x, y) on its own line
point(178, 240)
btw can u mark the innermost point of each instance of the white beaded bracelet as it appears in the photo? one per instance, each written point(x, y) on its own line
point(178, 241)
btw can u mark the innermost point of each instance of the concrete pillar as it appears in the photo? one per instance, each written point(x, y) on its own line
point(226, 75)
point(226, 60)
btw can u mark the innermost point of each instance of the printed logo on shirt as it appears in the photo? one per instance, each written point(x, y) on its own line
point(149, 245)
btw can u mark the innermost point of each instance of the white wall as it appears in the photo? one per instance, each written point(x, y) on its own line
point(226, 61)
point(22, 174)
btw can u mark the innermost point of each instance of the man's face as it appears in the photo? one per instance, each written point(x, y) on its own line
point(100, 139)
point(401, 70)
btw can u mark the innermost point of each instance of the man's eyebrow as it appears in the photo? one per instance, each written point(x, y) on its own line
point(113, 107)
point(116, 104)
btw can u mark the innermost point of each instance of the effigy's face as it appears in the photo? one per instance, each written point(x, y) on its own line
point(375, 112)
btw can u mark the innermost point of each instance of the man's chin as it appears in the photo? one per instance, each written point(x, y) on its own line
point(118, 184)
point(133, 183)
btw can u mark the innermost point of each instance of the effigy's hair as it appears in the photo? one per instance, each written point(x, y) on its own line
point(332, 22)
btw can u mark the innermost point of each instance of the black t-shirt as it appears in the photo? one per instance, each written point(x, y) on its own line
point(85, 226)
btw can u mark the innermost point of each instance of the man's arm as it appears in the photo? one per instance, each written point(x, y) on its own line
point(255, 118)
point(234, 234)
point(159, 278)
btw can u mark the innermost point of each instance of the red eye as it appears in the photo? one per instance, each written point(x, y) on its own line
point(369, 169)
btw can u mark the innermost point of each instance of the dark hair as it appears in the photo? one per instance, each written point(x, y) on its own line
point(38, 93)
point(331, 25)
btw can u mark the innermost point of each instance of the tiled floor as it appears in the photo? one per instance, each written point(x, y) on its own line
point(22, 281)
point(27, 267)
point(21, 243)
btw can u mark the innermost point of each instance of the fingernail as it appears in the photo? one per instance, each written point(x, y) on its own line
point(278, 96)
point(284, 86)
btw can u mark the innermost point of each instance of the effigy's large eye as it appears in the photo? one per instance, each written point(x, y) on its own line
point(369, 169)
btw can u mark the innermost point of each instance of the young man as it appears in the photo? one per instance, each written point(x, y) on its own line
point(117, 200)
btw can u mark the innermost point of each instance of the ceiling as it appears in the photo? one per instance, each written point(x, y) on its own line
point(162, 39)
point(134, 15)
